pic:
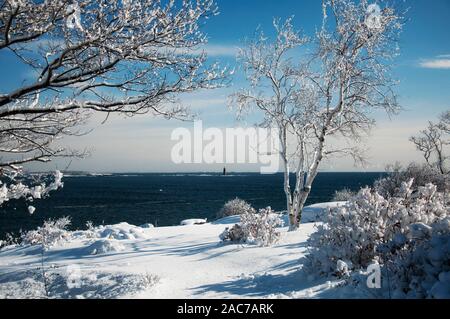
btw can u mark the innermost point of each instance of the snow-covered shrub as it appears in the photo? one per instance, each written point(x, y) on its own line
point(90, 230)
point(255, 228)
point(233, 207)
point(104, 246)
point(78, 283)
point(371, 228)
point(421, 269)
point(343, 195)
point(421, 173)
point(234, 234)
point(149, 280)
point(48, 235)
point(121, 231)
point(10, 239)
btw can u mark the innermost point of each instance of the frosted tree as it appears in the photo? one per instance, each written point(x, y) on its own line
point(85, 56)
point(328, 93)
point(269, 65)
point(434, 142)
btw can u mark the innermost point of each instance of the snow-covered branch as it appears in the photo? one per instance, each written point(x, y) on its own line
point(15, 185)
point(130, 57)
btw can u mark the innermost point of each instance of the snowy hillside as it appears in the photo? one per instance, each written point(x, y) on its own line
point(125, 261)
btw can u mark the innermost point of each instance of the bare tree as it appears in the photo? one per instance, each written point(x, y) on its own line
point(433, 143)
point(328, 94)
point(444, 123)
point(128, 57)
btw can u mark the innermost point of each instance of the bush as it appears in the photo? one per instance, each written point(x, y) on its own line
point(408, 234)
point(90, 230)
point(10, 239)
point(370, 227)
point(343, 195)
point(421, 173)
point(48, 235)
point(235, 207)
point(255, 228)
point(422, 268)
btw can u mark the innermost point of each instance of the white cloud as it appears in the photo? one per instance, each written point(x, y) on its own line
point(440, 62)
point(221, 50)
point(207, 98)
point(212, 50)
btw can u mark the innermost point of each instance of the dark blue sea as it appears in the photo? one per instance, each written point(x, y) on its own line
point(163, 199)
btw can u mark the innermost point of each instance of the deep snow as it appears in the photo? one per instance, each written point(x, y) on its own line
point(126, 261)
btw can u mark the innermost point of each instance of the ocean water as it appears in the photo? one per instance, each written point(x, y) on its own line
point(163, 199)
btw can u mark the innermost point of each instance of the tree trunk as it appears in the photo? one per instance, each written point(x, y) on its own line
point(304, 192)
point(301, 203)
point(289, 206)
point(287, 186)
point(293, 225)
point(440, 160)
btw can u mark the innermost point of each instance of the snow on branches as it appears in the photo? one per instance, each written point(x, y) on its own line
point(233, 207)
point(51, 233)
point(29, 187)
point(396, 232)
point(141, 52)
point(255, 228)
point(422, 268)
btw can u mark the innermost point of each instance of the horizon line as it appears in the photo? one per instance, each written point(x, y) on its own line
point(198, 172)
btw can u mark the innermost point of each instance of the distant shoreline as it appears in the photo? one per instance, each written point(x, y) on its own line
point(208, 172)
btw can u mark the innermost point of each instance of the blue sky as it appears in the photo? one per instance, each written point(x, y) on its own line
point(423, 69)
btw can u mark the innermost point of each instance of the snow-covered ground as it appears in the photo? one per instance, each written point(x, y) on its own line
point(126, 261)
